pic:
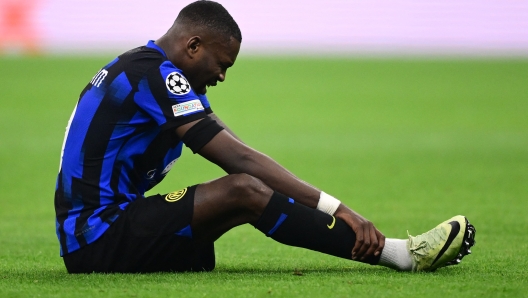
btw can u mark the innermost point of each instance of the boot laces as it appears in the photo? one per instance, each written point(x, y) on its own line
point(422, 244)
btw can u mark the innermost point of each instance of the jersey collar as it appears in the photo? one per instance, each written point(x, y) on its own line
point(152, 45)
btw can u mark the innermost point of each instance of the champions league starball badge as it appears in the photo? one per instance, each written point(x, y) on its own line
point(177, 84)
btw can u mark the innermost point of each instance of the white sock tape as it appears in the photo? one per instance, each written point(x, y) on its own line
point(327, 203)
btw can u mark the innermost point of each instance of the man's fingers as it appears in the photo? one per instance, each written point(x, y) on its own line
point(374, 243)
point(365, 243)
point(359, 243)
point(369, 241)
point(381, 243)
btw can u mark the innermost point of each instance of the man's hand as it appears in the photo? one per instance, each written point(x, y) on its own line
point(369, 241)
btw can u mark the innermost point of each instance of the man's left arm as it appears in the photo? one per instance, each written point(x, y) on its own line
point(234, 156)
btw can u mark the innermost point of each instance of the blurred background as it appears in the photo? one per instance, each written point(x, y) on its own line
point(449, 27)
point(408, 111)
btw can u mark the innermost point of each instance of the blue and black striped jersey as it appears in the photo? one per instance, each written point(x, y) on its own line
point(120, 141)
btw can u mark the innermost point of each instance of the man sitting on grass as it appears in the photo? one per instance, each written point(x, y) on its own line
point(127, 132)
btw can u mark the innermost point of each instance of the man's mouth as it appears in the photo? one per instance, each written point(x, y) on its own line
point(207, 85)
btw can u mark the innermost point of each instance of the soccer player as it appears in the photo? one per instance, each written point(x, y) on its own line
point(127, 132)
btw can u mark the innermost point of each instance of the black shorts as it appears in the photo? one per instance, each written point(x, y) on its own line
point(152, 235)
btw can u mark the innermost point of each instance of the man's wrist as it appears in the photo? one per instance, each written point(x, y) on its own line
point(327, 203)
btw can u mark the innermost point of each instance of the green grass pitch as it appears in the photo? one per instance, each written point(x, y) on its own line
point(407, 143)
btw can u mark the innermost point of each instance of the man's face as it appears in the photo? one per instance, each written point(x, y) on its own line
point(211, 63)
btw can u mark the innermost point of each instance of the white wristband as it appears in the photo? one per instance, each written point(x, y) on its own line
point(327, 203)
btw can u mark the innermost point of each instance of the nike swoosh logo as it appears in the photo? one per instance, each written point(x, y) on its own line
point(331, 226)
point(455, 228)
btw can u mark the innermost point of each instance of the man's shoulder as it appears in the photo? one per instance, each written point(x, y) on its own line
point(137, 64)
point(142, 56)
point(143, 51)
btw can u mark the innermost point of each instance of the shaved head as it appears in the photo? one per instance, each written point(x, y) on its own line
point(208, 16)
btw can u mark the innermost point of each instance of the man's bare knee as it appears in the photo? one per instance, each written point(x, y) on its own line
point(249, 191)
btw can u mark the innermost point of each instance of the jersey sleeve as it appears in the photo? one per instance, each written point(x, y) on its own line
point(166, 96)
point(205, 103)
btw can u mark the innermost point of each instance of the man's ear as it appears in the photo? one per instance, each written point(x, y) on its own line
point(194, 45)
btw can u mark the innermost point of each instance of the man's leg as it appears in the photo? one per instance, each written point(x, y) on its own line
point(237, 199)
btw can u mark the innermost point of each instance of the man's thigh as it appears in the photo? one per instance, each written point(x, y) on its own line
point(153, 234)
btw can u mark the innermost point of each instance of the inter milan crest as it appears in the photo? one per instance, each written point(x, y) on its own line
point(175, 195)
point(177, 84)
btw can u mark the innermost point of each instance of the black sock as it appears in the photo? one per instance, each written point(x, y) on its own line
point(294, 224)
